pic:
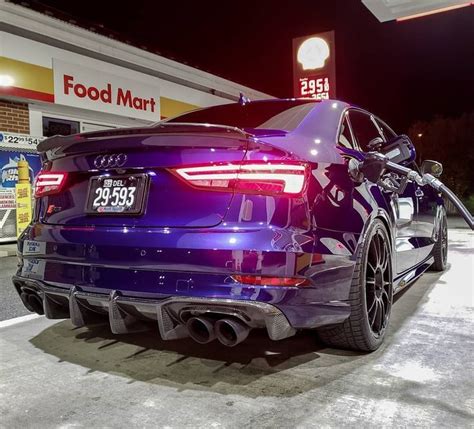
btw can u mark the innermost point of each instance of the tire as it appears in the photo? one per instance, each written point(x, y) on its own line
point(440, 248)
point(371, 288)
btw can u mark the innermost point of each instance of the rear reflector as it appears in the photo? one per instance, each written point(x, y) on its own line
point(270, 281)
point(48, 183)
point(249, 177)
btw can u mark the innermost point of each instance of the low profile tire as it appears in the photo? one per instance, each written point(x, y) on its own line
point(440, 249)
point(370, 297)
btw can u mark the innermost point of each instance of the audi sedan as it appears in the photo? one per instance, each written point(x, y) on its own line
point(227, 219)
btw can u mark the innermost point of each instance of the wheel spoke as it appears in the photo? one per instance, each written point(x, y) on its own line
point(385, 257)
point(376, 312)
point(372, 305)
point(372, 257)
point(377, 248)
point(382, 315)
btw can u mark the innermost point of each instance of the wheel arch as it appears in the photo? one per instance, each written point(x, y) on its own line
point(383, 216)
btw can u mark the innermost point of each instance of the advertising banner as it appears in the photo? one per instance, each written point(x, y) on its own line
point(9, 166)
point(9, 178)
point(23, 206)
point(314, 66)
point(7, 199)
point(86, 88)
point(18, 141)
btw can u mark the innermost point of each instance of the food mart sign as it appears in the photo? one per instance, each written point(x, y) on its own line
point(86, 88)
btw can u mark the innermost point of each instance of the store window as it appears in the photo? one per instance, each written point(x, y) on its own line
point(55, 126)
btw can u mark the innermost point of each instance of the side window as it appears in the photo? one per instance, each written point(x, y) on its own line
point(345, 136)
point(363, 128)
point(387, 132)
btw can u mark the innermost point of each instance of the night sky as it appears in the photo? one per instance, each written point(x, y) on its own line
point(401, 71)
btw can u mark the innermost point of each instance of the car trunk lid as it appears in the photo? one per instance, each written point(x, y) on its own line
point(151, 153)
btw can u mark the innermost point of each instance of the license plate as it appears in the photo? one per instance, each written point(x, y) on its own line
point(117, 195)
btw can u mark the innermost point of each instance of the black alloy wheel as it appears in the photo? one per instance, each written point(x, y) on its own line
point(378, 284)
point(444, 240)
point(440, 248)
point(370, 296)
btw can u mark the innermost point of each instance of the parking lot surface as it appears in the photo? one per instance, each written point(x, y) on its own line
point(55, 375)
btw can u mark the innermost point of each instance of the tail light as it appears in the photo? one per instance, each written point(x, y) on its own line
point(287, 178)
point(271, 281)
point(48, 182)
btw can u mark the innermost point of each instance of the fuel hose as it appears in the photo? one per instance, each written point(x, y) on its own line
point(428, 179)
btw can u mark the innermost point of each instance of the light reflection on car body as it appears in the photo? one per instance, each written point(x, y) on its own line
point(188, 242)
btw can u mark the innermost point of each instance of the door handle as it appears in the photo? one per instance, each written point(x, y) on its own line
point(419, 193)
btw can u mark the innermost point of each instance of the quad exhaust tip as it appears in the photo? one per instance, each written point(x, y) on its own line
point(201, 329)
point(231, 332)
point(32, 301)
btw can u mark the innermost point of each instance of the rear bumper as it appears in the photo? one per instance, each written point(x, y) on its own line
point(149, 266)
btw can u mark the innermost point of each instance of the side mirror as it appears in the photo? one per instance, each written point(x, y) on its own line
point(434, 168)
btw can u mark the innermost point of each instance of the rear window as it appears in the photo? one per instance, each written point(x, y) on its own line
point(273, 115)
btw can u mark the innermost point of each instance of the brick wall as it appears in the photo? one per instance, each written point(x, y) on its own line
point(14, 117)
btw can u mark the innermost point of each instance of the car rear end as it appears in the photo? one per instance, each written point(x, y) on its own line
point(185, 224)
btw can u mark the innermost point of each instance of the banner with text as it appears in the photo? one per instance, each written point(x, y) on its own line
point(86, 88)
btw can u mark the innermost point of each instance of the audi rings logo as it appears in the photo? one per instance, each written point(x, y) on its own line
point(110, 161)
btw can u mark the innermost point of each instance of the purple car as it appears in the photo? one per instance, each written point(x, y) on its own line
point(230, 218)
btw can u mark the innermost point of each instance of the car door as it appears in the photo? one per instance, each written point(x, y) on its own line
point(404, 206)
point(407, 209)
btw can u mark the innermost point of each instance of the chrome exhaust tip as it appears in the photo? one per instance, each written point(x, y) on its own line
point(32, 302)
point(231, 332)
point(24, 299)
point(201, 329)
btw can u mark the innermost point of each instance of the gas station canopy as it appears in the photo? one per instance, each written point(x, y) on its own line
point(388, 10)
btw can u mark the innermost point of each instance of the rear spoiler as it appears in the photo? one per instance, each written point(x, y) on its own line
point(56, 142)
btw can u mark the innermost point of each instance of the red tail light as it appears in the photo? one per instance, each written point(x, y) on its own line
point(49, 182)
point(271, 281)
point(287, 178)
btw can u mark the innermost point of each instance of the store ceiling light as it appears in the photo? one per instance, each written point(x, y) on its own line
point(6, 80)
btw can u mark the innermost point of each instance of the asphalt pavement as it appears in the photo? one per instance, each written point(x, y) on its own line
point(10, 304)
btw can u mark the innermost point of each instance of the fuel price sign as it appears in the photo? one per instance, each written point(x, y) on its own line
point(314, 66)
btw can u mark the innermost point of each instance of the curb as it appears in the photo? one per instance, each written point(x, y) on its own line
point(5, 253)
point(20, 319)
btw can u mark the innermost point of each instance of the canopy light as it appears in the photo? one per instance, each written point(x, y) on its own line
point(6, 80)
